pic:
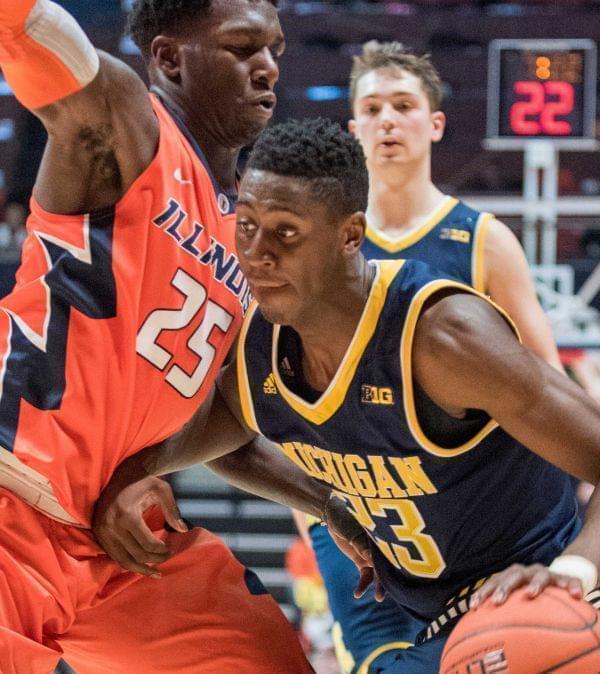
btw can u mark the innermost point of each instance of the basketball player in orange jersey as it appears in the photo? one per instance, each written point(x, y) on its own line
point(395, 97)
point(127, 301)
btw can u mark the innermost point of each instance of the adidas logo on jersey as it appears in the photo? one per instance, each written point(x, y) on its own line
point(376, 395)
point(286, 368)
point(269, 385)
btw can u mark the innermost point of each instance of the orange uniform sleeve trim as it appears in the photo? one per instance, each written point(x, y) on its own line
point(46, 57)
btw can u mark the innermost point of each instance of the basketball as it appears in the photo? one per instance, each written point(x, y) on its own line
point(552, 633)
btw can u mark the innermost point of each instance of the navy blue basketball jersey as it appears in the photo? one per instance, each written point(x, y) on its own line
point(452, 239)
point(442, 513)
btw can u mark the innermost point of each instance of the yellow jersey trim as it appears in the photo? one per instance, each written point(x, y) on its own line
point(384, 648)
point(242, 373)
point(478, 259)
point(398, 243)
point(406, 344)
point(328, 404)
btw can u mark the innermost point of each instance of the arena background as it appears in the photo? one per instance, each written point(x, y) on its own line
point(321, 39)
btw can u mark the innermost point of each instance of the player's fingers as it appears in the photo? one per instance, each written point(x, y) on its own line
point(485, 591)
point(514, 577)
point(360, 543)
point(541, 579)
point(140, 531)
point(379, 589)
point(140, 554)
point(119, 554)
point(572, 585)
point(367, 574)
point(170, 508)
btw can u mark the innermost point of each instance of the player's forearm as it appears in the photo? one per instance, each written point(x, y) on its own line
point(211, 433)
point(587, 543)
point(44, 54)
point(261, 469)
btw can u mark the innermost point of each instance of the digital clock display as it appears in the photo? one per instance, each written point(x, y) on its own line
point(542, 89)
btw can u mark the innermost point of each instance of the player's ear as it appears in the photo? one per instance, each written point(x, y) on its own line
point(166, 56)
point(438, 124)
point(354, 232)
point(352, 126)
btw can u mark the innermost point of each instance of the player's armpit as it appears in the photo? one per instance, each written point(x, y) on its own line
point(465, 356)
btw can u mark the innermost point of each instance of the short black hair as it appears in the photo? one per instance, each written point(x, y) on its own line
point(320, 151)
point(149, 18)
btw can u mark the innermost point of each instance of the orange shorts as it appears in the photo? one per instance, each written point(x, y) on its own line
point(60, 595)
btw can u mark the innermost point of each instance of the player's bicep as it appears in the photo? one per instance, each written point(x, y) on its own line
point(510, 285)
point(462, 352)
point(465, 356)
point(100, 140)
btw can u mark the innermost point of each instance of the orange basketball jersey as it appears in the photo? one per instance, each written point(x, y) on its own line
point(119, 322)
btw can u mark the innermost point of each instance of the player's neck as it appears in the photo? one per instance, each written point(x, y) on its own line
point(328, 332)
point(401, 200)
point(222, 159)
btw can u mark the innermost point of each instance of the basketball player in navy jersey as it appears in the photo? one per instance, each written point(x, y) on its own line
point(395, 97)
point(396, 377)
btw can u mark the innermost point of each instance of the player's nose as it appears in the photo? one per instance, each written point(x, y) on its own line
point(257, 252)
point(266, 70)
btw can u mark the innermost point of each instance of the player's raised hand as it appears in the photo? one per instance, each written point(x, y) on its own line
point(120, 528)
point(353, 541)
point(535, 576)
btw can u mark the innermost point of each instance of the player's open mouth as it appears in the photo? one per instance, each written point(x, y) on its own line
point(265, 103)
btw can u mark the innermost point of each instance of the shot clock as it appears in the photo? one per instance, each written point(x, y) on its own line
point(541, 89)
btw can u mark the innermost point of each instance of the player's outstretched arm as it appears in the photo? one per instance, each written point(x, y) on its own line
point(102, 132)
point(509, 283)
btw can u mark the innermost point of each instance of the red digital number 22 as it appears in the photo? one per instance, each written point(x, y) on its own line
point(546, 111)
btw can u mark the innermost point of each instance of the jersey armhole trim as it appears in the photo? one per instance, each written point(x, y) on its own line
point(242, 373)
point(478, 261)
point(406, 345)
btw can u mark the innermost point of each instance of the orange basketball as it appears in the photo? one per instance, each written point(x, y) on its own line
point(551, 634)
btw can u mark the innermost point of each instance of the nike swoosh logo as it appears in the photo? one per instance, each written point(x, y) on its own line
point(179, 178)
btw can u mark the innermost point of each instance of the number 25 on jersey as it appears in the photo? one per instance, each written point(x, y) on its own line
point(215, 319)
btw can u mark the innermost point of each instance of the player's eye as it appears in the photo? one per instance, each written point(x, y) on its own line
point(243, 51)
point(246, 227)
point(277, 52)
point(286, 231)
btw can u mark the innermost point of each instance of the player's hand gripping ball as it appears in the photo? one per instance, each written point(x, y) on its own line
point(553, 633)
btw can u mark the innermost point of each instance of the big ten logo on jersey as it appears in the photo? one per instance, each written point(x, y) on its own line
point(194, 328)
point(379, 490)
point(376, 395)
point(460, 235)
point(493, 662)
